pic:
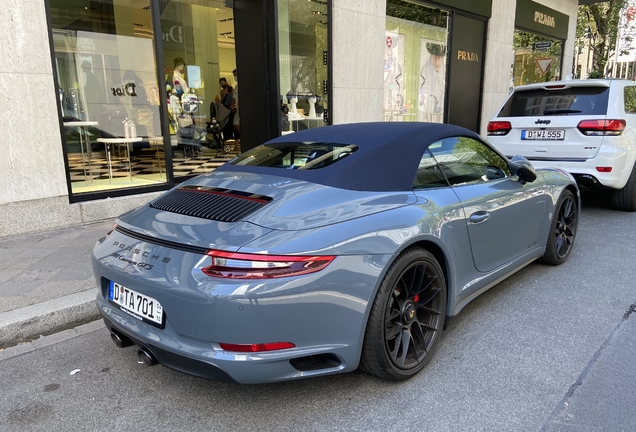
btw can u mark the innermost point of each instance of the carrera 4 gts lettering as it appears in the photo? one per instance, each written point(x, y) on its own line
point(138, 251)
point(141, 265)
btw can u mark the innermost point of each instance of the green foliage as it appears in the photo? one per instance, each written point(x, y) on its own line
point(415, 12)
point(603, 20)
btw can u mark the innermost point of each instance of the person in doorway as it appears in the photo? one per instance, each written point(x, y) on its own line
point(226, 97)
point(236, 120)
point(432, 84)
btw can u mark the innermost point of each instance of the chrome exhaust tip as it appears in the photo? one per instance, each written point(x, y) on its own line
point(120, 340)
point(146, 357)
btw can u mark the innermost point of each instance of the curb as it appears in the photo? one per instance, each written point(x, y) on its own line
point(48, 317)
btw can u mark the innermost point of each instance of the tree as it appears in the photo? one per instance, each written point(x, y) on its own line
point(599, 24)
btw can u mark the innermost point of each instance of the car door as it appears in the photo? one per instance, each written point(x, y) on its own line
point(502, 215)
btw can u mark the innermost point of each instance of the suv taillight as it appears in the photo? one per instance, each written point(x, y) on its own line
point(499, 128)
point(601, 127)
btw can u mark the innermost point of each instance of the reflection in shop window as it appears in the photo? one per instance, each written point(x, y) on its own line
point(108, 93)
point(201, 82)
point(302, 45)
point(415, 58)
point(536, 59)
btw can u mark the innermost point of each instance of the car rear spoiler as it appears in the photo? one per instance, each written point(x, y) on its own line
point(563, 85)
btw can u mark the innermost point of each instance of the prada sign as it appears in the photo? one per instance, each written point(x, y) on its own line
point(463, 102)
point(537, 18)
point(467, 56)
point(544, 19)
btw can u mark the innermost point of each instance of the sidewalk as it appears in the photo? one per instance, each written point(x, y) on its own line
point(46, 282)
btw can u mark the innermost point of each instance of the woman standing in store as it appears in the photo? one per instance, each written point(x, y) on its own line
point(227, 99)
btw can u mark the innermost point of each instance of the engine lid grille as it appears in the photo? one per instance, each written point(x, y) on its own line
point(217, 204)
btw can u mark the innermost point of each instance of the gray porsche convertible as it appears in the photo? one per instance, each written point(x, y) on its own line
point(327, 250)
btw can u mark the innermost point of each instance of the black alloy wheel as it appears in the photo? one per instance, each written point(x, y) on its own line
point(563, 230)
point(407, 317)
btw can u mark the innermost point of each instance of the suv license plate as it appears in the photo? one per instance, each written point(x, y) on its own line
point(543, 135)
point(138, 305)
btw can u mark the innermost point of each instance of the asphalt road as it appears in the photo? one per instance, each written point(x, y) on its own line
point(550, 349)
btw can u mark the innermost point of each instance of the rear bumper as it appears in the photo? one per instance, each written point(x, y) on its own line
point(207, 360)
point(171, 359)
point(620, 158)
point(616, 179)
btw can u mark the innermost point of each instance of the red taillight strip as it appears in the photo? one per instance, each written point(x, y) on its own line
point(282, 265)
point(499, 127)
point(271, 346)
point(601, 127)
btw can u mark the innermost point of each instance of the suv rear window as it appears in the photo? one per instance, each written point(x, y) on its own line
point(295, 155)
point(572, 101)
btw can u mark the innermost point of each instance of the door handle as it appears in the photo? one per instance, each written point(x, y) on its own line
point(479, 217)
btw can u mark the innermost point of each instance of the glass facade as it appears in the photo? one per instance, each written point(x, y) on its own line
point(535, 59)
point(303, 55)
point(110, 92)
point(415, 62)
point(199, 69)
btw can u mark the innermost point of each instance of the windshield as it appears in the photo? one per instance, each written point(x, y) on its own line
point(295, 155)
point(572, 101)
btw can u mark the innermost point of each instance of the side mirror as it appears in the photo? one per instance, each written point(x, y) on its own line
point(522, 167)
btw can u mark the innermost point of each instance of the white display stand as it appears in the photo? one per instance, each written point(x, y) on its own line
point(295, 119)
point(118, 142)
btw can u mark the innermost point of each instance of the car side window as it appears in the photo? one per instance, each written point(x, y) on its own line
point(429, 174)
point(465, 160)
point(629, 96)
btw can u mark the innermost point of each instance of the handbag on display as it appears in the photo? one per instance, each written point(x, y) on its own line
point(184, 120)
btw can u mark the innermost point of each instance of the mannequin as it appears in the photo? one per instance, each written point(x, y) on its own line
point(293, 110)
point(178, 80)
point(312, 106)
point(175, 107)
point(293, 101)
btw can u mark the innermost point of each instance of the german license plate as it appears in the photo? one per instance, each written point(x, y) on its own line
point(543, 135)
point(138, 305)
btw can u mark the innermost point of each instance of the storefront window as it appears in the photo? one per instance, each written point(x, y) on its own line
point(536, 58)
point(201, 82)
point(108, 93)
point(302, 44)
point(415, 62)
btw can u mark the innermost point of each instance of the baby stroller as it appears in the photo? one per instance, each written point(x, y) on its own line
point(220, 116)
point(189, 136)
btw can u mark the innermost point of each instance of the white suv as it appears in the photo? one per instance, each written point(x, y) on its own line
point(586, 127)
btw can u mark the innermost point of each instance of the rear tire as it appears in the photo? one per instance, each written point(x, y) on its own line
point(625, 199)
point(562, 230)
point(407, 317)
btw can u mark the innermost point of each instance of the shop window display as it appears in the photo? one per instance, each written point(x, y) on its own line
point(415, 62)
point(536, 59)
point(202, 84)
point(302, 44)
point(108, 93)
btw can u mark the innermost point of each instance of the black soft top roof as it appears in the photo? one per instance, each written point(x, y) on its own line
point(386, 160)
